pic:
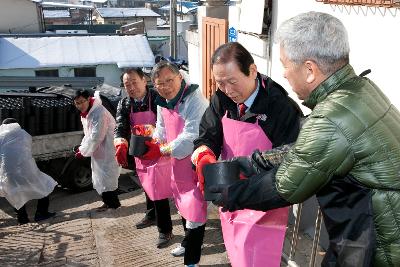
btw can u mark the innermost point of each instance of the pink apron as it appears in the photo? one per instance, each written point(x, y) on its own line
point(154, 175)
point(187, 196)
point(252, 238)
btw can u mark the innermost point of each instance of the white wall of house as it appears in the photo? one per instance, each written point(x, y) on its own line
point(66, 72)
point(150, 23)
point(111, 73)
point(193, 56)
point(374, 35)
point(19, 16)
point(18, 72)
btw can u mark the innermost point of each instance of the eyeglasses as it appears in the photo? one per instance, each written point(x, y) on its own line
point(167, 82)
point(80, 102)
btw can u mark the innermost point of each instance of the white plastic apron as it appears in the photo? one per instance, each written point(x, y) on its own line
point(20, 178)
point(154, 175)
point(105, 169)
point(252, 238)
point(187, 196)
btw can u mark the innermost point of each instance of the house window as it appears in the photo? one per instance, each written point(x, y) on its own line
point(255, 16)
point(85, 72)
point(46, 73)
point(377, 3)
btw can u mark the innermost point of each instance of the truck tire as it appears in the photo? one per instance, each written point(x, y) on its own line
point(78, 175)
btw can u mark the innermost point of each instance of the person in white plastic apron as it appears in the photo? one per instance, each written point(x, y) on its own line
point(180, 107)
point(136, 112)
point(247, 112)
point(20, 178)
point(97, 143)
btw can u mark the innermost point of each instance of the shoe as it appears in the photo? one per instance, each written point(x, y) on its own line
point(145, 222)
point(115, 207)
point(23, 220)
point(45, 216)
point(163, 239)
point(178, 251)
point(103, 207)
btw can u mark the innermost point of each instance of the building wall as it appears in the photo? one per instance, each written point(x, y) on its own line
point(111, 73)
point(149, 22)
point(19, 16)
point(99, 20)
point(18, 72)
point(131, 3)
point(58, 21)
point(373, 34)
point(193, 56)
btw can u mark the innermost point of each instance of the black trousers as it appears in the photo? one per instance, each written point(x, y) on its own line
point(159, 211)
point(42, 208)
point(192, 243)
point(110, 198)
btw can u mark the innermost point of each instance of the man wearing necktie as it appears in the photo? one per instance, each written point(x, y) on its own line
point(139, 109)
point(248, 111)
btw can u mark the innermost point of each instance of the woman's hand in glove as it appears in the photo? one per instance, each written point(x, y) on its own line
point(121, 151)
point(205, 159)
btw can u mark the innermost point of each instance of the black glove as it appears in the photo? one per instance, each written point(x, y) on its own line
point(222, 198)
point(75, 148)
point(258, 193)
point(253, 165)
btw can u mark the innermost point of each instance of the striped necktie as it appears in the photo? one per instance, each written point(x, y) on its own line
point(242, 109)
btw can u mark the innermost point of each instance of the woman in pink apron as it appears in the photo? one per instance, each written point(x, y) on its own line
point(138, 111)
point(248, 112)
point(180, 109)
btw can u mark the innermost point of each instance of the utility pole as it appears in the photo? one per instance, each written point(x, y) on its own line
point(181, 10)
point(172, 25)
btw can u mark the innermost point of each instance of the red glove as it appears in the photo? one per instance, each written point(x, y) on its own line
point(203, 159)
point(78, 154)
point(121, 151)
point(153, 151)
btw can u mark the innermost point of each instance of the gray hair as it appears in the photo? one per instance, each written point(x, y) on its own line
point(155, 72)
point(315, 36)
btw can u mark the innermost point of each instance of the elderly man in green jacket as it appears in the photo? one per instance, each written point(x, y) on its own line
point(347, 153)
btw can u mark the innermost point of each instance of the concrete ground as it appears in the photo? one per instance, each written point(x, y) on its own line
point(81, 236)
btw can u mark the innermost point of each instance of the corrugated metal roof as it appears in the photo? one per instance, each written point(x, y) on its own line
point(48, 52)
point(56, 14)
point(126, 12)
point(56, 4)
point(186, 7)
point(94, 1)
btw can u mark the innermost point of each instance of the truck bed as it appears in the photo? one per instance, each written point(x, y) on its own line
point(58, 145)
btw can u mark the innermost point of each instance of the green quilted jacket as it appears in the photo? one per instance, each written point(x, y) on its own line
point(353, 129)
